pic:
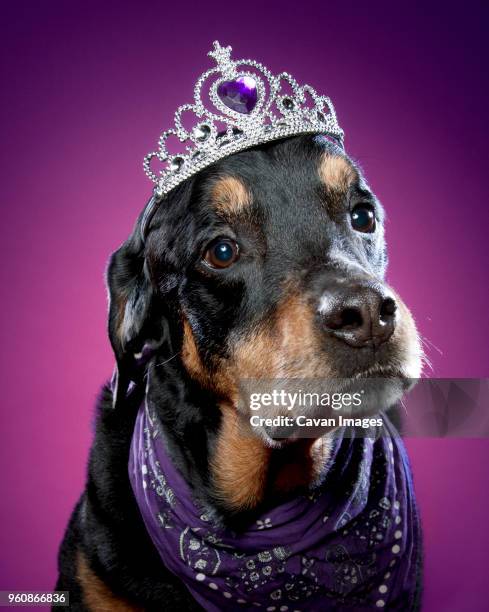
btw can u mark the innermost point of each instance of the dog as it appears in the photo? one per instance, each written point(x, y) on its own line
point(270, 262)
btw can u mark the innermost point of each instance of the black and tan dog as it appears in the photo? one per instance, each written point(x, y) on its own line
point(271, 260)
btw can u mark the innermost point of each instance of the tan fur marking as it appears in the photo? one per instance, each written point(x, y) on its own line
point(96, 594)
point(240, 463)
point(290, 349)
point(287, 349)
point(336, 172)
point(218, 381)
point(230, 196)
point(240, 460)
point(190, 355)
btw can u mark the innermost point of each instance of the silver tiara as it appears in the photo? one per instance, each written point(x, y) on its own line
point(246, 105)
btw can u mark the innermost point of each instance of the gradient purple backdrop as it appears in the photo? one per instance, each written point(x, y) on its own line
point(86, 90)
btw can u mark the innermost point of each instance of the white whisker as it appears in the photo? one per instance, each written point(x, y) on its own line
point(157, 365)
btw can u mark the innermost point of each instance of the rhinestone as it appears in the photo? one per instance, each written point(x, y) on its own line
point(201, 132)
point(176, 164)
point(239, 95)
point(222, 139)
point(320, 116)
point(288, 103)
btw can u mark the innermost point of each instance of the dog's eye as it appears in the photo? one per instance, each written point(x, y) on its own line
point(221, 253)
point(363, 218)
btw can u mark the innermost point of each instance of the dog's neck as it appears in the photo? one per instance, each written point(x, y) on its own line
point(246, 471)
point(235, 474)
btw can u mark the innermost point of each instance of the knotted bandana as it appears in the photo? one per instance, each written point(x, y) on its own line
point(352, 544)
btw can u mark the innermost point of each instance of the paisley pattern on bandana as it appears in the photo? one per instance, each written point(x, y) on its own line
point(352, 544)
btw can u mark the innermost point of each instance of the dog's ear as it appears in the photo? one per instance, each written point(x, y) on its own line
point(136, 319)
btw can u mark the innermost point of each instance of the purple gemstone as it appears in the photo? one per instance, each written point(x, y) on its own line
point(239, 95)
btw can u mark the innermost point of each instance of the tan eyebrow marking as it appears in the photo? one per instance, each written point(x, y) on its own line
point(230, 196)
point(336, 172)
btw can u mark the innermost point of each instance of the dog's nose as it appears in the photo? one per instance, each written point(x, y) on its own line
point(359, 315)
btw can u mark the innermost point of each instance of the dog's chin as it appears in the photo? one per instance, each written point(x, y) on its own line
point(380, 386)
point(380, 389)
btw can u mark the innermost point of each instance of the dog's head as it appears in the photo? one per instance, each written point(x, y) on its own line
point(270, 263)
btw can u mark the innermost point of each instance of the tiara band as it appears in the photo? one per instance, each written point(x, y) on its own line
point(238, 104)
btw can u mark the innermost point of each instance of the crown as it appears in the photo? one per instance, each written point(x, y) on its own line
point(238, 104)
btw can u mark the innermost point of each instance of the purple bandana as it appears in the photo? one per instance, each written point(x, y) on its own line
point(353, 544)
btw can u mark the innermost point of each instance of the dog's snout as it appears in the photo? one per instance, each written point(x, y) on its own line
point(359, 315)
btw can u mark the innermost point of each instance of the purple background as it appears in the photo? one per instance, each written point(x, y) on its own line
point(86, 90)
